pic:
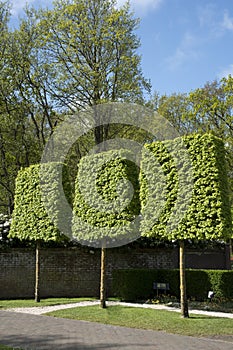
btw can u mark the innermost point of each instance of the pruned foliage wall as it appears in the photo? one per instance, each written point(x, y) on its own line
point(30, 220)
point(110, 193)
point(207, 215)
point(105, 206)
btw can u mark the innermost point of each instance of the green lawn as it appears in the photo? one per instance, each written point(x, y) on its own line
point(3, 347)
point(160, 320)
point(44, 302)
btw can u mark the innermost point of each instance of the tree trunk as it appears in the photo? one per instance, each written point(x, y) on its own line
point(103, 279)
point(37, 282)
point(183, 297)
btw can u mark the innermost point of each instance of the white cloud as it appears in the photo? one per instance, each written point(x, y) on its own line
point(225, 72)
point(19, 5)
point(207, 15)
point(227, 21)
point(142, 5)
point(138, 5)
point(177, 59)
point(211, 20)
point(187, 51)
point(181, 57)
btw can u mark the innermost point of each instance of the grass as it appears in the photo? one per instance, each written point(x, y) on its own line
point(5, 304)
point(159, 320)
point(4, 347)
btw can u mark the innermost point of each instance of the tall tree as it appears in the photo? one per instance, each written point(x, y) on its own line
point(30, 219)
point(22, 121)
point(194, 202)
point(103, 210)
point(175, 109)
point(92, 47)
point(58, 61)
point(31, 78)
point(202, 110)
point(211, 108)
point(92, 50)
point(9, 157)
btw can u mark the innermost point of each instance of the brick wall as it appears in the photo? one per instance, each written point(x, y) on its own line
point(74, 272)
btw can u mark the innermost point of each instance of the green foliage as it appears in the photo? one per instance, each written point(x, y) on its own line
point(221, 283)
point(136, 284)
point(198, 284)
point(95, 40)
point(132, 285)
point(60, 59)
point(208, 215)
point(174, 108)
point(206, 109)
point(24, 110)
point(105, 202)
point(30, 220)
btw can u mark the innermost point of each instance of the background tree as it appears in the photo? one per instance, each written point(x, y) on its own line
point(93, 49)
point(206, 109)
point(23, 122)
point(93, 56)
point(32, 78)
point(174, 108)
point(57, 61)
point(6, 188)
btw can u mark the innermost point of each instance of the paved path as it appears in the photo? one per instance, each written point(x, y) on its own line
point(37, 332)
point(37, 310)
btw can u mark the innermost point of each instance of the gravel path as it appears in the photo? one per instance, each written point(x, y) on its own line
point(40, 310)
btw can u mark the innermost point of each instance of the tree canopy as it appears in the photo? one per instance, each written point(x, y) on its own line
point(205, 214)
point(31, 219)
point(55, 62)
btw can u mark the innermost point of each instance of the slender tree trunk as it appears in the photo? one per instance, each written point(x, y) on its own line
point(103, 278)
point(37, 283)
point(99, 138)
point(183, 296)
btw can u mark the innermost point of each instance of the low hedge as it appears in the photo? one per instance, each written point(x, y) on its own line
point(132, 285)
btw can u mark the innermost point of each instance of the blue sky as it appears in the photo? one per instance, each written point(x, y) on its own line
point(184, 43)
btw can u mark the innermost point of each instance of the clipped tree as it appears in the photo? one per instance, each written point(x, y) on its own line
point(31, 220)
point(205, 213)
point(106, 204)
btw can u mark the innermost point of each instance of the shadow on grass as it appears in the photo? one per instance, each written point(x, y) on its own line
point(203, 317)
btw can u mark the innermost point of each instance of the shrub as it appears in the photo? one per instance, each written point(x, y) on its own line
point(135, 284)
point(221, 283)
point(198, 284)
point(132, 285)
